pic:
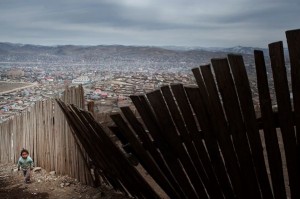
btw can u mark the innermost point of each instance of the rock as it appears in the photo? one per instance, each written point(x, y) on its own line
point(62, 185)
point(39, 181)
point(36, 169)
point(52, 173)
point(15, 170)
point(67, 184)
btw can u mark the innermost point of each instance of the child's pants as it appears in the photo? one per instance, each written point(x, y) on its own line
point(26, 174)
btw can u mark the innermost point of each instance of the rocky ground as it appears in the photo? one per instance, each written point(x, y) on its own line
point(47, 185)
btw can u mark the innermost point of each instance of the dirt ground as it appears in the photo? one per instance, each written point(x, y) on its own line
point(46, 186)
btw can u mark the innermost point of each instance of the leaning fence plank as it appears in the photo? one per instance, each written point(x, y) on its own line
point(210, 97)
point(136, 184)
point(293, 40)
point(191, 138)
point(170, 134)
point(149, 145)
point(97, 154)
point(146, 113)
point(236, 124)
point(137, 181)
point(247, 108)
point(144, 157)
point(210, 138)
point(285, 115)
point(206, 157)
point(272, 146)
point(87, 136)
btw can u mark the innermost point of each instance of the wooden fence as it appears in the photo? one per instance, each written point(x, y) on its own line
point(43, 130)
point(205, 141)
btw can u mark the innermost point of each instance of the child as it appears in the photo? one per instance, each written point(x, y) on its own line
point(25, 163)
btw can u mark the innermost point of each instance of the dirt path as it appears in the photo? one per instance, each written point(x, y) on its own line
point(47, 186)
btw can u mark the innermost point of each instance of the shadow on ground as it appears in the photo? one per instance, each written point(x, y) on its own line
point(8, 190)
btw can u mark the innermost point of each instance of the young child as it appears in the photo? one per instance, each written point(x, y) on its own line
point(25, 163)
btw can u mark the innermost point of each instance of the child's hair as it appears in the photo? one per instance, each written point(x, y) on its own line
point(24, 150)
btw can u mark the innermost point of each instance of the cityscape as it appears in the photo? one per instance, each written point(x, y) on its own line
point(44, 72)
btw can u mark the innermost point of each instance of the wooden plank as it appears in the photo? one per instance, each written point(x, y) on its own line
point(210, 97)
point(146, 160)
point(94, 134)
point(247, 108)
point(117, 158)
point(189, 119)
point(203, 168)
point(272, 146)
point(275, 119)
point(149, 119)
point(148, 145)
point(293, 40)
point(106, 160)
point(210, 138)
point(187, 137)
point(285, 115)
point(97, 154)
point(236, 124)
point(168, 130)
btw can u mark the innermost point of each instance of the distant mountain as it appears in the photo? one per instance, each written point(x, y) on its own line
point(243, 50)
point(115, 49)
point(27, 52)
point(118, 57)
point(236, 49)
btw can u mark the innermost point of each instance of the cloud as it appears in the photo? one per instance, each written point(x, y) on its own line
point(147, 22)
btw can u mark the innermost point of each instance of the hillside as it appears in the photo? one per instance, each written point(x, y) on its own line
point(92, 54)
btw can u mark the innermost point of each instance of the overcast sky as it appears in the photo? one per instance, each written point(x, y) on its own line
point(219, 23)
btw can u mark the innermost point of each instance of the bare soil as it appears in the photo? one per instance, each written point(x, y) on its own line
point(6, 87)
point(46, 186)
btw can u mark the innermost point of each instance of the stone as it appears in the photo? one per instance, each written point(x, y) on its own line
point(16, 170)
point(36, 169)
point(67, 184)
point(62, 185)
point(52, 173)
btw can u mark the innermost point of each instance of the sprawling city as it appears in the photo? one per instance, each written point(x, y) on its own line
point(110, 74)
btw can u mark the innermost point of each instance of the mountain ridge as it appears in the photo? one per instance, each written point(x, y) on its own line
point(234, 49)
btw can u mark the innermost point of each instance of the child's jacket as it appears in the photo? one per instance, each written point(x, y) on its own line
point(25, 163)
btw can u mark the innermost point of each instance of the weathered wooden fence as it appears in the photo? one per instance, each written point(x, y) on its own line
point(205, 141)
point(43, 130)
